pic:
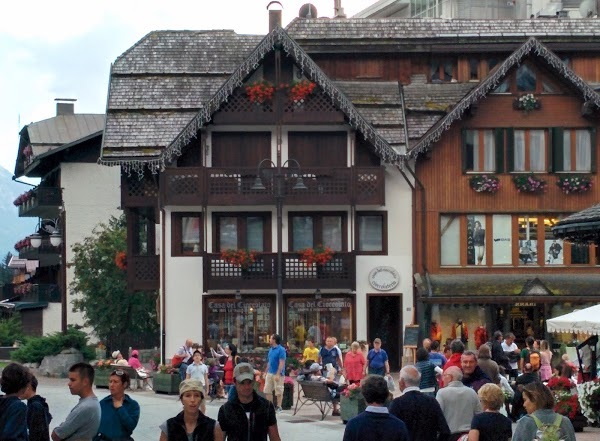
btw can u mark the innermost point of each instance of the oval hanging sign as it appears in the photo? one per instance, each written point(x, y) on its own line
point(384, 278)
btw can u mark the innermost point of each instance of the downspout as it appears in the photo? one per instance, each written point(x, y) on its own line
point(162, 257)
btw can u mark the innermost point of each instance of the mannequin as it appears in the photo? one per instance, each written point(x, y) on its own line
point(480, 336)
point(435, 333)
point(459, 330)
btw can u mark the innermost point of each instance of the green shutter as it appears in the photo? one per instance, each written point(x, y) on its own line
point(556, 152)
point(510, 149)
point(593, 141)
point(463, 149)
point(499, 139)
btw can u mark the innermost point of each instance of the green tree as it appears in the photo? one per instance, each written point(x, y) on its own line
point(101, 286)
point(6, 273)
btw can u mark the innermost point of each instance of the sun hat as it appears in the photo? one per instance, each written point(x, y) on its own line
point(243, 371)
point(116, 353)
point(315, 367)
point(191, 385)
point(135, 353)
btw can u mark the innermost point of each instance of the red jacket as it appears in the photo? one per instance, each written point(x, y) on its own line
point(453, 361)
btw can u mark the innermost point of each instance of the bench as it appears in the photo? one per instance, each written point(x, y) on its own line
point(134, 377)
point(317, 393)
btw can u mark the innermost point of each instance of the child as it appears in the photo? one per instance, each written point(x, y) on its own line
point(215, 380)
point(311, 354)
point(198, 371)
point(38, 414)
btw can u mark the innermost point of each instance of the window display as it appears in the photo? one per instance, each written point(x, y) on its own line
point(475, 240)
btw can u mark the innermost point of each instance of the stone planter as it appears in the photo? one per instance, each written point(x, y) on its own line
point(166, 383)
point(350, 407)
point(101, 377)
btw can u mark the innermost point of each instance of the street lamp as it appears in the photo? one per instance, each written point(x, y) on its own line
point(51, 226)
point(265, 171)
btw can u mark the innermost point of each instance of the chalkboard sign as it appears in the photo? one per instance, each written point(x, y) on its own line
point(411, 336)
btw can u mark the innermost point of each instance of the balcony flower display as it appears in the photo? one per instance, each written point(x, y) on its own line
point(22, 198)
point(299, 90)
point(24, 288)
point(484, 183)
point(260, 92)
point(23, 243)
point(574, 183)
point(121, 260)
point(529, 184)
point(242, 257)
point(589, 400)
point(319, 255)
point(527, 103)
point(28, 151)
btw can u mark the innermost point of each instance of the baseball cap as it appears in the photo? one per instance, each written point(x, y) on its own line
point(315, 367)
point(243, 371)
point(191, 385)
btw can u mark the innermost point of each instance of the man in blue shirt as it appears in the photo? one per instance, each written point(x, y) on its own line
point(377, 360)
point(275, 371)
point(120, 413)
point(330, 354)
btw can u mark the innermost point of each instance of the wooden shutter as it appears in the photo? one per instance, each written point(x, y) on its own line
point(499, 140)
point(510, 149)
point(463, 149)
point(593, 142)
point(556, 150)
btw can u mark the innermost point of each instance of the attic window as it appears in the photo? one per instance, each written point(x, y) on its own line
point(526, 79)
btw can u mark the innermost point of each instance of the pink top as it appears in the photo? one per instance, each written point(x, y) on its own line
point(134, 362)
point(354, 365)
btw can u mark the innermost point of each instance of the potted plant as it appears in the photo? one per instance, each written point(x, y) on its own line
point(299, 90)
point(484, 183)
point(589, 400)
point(529, 183)
point(574, 183)
point(166, 380)
point(243, 258)
point(319, 255)
point(352, 402)
point(527, 103)
point(102, 371)
point(566, 402)
point(260, 92)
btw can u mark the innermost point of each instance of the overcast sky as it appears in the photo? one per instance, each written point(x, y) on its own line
point(64, 48)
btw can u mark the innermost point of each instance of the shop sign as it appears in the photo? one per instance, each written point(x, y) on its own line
point(525, 304)
point(236, 306)
point(384, 278)
point(324, 305)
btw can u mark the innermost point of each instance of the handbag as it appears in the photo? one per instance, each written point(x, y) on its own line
point(390, 383)
point(177, 360)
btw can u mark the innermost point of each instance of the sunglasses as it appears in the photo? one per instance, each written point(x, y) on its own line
point(118, 372)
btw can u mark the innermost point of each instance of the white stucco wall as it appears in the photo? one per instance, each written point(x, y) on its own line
point(91, 194)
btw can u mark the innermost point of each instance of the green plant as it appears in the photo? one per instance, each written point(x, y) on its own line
point(527, 103)
point(529, 183)
point(484, 183)
point(34, 349)
point(10, 330)
point(574, 183)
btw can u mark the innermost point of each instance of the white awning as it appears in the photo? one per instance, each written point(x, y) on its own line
point(586, 321)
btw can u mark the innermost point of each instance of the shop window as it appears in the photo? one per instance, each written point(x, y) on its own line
point(246, 322)
point(526, 79)
point(580, 254)
point(312, 230)
point(528, 240)
point(236, 231)
point(553, 248)
point(502, 239)
point(529, 151)
point(573, 150)
point(186, 234)
point(475, 240)
point(483, 150)
point(450, 240)
point(371, 229)
point(318, 318)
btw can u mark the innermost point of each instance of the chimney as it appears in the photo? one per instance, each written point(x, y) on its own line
point(338, 11)
point(274, 16)
point(65, 106)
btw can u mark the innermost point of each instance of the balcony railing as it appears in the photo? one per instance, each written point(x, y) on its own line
point(45, 202)
point(34, 293)
point(338, 273)
point(47, 253)
point(143, 273)
point(139, 192)
point(192, 186)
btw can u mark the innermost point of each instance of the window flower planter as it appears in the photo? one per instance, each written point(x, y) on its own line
point(299, 90)
point(242, 257)
point(574, 183)
point(484, 183)
point(527, 103)
point(319, 255)
point(529, 183)
point(260, 92)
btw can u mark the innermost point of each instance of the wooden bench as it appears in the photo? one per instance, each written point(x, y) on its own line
point(314, 392)
point(134, 377)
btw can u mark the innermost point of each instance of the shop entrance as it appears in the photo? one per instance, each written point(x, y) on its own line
point(384, 320)
point(523, 319)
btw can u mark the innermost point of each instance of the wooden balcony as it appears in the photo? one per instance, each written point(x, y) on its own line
point(338, 273)
point(47, 253)
point(143, 273)
point(35, 293)
point(235, 186)
point(45, 202)
point(136, 192)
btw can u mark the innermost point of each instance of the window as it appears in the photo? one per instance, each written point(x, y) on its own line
point(476, 240)
point(450, 240)
point(526, 79)
point(529, 154)
point(573, 150)
point(502, 239)
point(186, 234)
point(528, 240)
point(311, 230)
point(480, 152)
point(473, 68)
point(237, 231)
point(580, 254)
point(553, 248)
point(442, 71)
point(371, 232)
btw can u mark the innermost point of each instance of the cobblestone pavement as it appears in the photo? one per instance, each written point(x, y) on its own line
point(156, 408)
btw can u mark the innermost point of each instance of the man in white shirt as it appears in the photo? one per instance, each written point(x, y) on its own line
point(511, 350)
point(186, 352)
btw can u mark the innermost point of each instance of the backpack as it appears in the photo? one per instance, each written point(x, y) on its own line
point(535, 360)
point(549, 431)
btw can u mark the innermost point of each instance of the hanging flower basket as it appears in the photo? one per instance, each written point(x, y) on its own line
point(299, 90)
point(23, 243)
point(527, 103)
point(121, 260)
point(260, 92)
point(242, 257)
point(589, 400)
point(319, 255)
point(574, 183)
point(484, 183)
point(23, 198)
point(529, 184)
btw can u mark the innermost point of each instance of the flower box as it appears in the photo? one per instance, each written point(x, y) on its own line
point(484, 183)
point(527, 103)
point(101, 377)
point(260, 92)
point(319, 255)
point(574, 183)
point(166, 383)
point(242, 257)
point(300, 90)
point(529, 183)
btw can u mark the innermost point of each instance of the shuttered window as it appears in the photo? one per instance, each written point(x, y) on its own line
point(573, 150)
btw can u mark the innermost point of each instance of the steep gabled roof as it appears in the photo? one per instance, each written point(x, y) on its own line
point(158, 157)
point(531, 47)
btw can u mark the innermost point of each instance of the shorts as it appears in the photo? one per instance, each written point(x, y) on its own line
point(272, 385)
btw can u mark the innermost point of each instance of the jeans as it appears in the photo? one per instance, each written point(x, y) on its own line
point(376, 371)
point(183, 370)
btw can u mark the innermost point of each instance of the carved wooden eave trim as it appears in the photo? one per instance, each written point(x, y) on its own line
point(493, 80)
